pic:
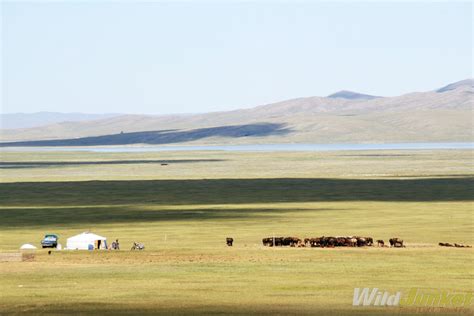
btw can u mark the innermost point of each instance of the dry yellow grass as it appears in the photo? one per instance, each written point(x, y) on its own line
point(424, 197)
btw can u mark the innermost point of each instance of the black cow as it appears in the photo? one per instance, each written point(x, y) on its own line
point(313, 242)
point(361, 241)
point(370, 241)
point(396, 242)
point(329, 242)
point(291, 241)
point(273, 241)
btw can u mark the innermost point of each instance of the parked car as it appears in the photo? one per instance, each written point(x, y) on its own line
point(50, 241)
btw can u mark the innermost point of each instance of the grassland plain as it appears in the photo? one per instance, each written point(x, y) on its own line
point(184, 210)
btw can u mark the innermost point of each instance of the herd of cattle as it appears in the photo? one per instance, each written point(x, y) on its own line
point(329, 242)
point(447, 244)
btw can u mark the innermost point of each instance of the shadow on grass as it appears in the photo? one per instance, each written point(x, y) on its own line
point(181, 307)
point(233, 191)
point(41, 164)
point(164, 136)
point(34, 217)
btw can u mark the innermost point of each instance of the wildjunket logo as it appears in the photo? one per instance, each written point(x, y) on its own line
point(367, 297)
point(415, 297)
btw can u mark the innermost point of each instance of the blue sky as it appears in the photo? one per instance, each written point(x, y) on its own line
point(187, 57)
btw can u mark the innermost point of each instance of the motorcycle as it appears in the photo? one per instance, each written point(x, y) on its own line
point(138, 246)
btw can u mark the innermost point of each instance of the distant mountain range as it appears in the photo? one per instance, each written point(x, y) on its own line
point(27, 120)
point(349, 95)
point(441, 115)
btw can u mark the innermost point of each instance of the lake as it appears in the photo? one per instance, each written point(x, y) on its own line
point(250, 148)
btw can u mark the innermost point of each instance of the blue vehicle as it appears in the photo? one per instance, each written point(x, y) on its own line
point(50, 241)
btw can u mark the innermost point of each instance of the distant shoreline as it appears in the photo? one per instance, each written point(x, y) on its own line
point(250, 148)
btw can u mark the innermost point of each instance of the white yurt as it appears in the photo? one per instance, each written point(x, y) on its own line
point(27, 247)
point(86, 241)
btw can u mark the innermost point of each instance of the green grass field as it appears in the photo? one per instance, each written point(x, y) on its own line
point(183, 211)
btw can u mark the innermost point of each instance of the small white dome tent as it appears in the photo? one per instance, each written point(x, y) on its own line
point(86, 241)
point(27, 246)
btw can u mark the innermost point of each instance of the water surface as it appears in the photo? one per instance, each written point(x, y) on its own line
point(253, 148)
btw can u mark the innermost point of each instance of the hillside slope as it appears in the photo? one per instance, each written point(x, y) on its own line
point(442, 115)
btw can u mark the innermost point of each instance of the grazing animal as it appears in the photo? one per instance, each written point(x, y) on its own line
point(380, 243)
point(447, 244)
point(346, 241)
point(352, 242)
point(283, 241)
point(229, 241)
point(396, 242)
point(268, 242)
point(462, 246)
point(340, 242)
point(329, 242)
point(272, 241)
point(370, 241)
point(279, 241)
point(392, 241)
point(291, 241)
point(361, 241)
point(316, 242)
point(323, 241)
point(313, 242)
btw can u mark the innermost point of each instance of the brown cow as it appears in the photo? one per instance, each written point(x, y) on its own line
point(328, 242)
point(361, 241)
point(273, 241)
point(380, 243)
point(444, 244)
point(342, 242)
point(462, 246)
point(353, 242)
point(291, 241)
point(313, 242)
point(396, 242)
point(268, 242)
point(370, 241)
